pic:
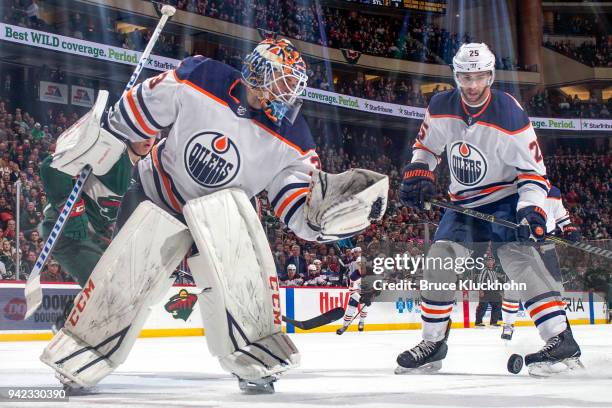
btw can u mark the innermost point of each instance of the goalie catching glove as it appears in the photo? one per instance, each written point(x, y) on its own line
point(341, 205)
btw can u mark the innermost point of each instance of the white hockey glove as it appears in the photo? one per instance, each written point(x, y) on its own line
point(88, 143)
point(341, 205)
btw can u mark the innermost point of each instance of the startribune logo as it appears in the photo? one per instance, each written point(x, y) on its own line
point(181, 305)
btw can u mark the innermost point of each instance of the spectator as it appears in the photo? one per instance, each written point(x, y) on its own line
point(30, 218)
point(27, 265)
point(7, 257)
point(298, 261)
point(52, 273)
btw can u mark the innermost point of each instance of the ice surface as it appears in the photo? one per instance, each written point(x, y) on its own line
point(355, 369)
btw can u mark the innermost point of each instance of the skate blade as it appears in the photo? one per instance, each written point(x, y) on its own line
point(428, 368)
point(73, 389)
point(263, 386)
point(546, 369)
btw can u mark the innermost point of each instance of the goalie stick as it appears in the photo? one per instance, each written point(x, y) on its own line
point(33, 290)
point(493, 219)
point(317, 321)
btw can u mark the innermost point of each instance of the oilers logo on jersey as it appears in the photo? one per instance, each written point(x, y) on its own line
point(468, 164)
point(211, 159)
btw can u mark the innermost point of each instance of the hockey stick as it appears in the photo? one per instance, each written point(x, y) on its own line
point(493, 219)
point(317, 321)
point(33, 290)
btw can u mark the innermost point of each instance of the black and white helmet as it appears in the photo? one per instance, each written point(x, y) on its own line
point(474, 57)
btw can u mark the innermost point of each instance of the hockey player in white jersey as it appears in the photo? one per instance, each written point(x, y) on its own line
point(356, 272)
point(314, 277)
point(496, 167)
point(557, 221)
point(232, 134)
point(292, 278)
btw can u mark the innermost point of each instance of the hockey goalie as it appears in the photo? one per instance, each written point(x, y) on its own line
point(231, 135)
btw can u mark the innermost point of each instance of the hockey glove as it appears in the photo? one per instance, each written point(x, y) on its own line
point(532, 224)
point(341, 205)
point(418, 185)
point(572, 233)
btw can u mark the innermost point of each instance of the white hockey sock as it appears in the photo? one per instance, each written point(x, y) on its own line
point(509, 311)
point(435, 316)
point(548, 313)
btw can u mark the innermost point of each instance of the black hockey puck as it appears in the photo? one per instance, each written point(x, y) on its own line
point(515, 363)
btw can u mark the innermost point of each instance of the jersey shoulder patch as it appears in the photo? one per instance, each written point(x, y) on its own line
point(209, 75)
point(446, 103)
point(505, 113)
point(298, 133)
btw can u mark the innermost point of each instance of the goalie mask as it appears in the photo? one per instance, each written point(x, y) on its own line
point(276, 69)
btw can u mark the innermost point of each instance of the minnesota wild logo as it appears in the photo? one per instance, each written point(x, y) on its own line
point(109, 207)
point(181, 305)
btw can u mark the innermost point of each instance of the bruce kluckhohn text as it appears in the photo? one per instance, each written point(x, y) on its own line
point(467, 284)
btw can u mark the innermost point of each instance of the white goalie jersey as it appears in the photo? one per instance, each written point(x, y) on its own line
point(492, 153)
point(216, 141)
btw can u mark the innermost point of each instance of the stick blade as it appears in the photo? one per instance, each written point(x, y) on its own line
point(317, 321)
point(33, 296)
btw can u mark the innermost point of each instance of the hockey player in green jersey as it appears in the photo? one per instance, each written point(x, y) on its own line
point(88, 231)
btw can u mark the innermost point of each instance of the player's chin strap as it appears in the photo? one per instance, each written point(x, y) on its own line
point(340, 205)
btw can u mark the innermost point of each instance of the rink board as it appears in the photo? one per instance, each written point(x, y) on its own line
point(177, 314)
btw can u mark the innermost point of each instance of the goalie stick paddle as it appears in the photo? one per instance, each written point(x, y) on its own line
point(493, 219)
point(33, 290)
point(317, 321)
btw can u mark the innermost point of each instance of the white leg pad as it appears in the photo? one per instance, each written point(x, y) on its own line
point(110, 311)
point(241, 311)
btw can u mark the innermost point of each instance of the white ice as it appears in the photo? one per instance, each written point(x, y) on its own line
point(355, 369)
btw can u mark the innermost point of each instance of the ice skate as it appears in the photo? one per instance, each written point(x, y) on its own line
point(260, 386)
point(507, 332)
point(341, 330)
point(72, 388)
point(426, 357)
point(361, 325)
point(560, 354)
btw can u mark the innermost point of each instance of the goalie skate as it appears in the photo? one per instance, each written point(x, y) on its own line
point(260, 386)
